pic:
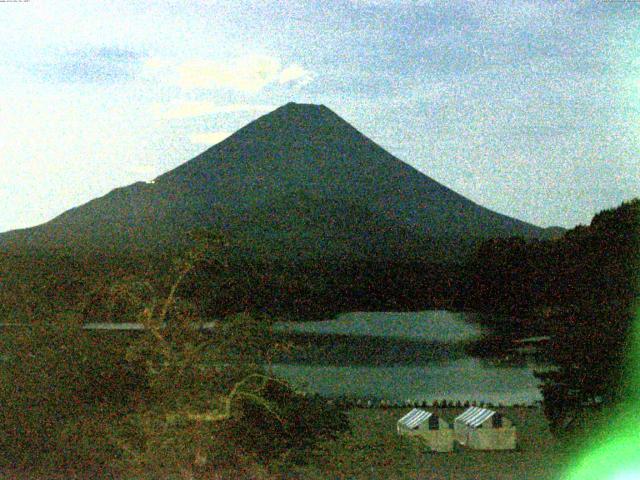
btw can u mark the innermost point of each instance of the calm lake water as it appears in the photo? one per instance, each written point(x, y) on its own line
point(401, 356)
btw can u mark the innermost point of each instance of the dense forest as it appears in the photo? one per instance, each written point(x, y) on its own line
point(515, 277)
point(40, 284)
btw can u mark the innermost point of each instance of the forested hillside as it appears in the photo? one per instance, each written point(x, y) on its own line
point(579, 289)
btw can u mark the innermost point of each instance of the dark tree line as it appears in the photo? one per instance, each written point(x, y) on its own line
point(322, 289)
point(592, 320)
point(44, 283)
point(578, 289)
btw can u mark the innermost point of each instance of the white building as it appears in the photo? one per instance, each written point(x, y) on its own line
point(436, 432)
point(484, 429)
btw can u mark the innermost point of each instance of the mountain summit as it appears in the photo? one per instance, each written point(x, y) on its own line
point(299, 181)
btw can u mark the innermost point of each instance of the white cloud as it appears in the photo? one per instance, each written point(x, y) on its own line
point(250, 73)
point(208, 138)
point(186, 109)
point(295, 72)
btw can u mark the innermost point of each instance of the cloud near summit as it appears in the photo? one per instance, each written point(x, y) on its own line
point(245, 74)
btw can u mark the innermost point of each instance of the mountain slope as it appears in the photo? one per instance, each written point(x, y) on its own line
point(299, 180)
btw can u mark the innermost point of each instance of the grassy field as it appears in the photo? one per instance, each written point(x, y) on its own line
point(372, 450)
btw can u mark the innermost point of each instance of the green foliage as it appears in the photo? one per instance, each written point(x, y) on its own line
point(495, 275)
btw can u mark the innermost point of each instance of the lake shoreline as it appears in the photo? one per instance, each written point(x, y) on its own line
point(400, 357)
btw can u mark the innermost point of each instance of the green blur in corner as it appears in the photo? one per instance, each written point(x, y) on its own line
point(614, 453)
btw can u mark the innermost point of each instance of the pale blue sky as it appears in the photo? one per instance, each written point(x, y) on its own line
point(529, 108)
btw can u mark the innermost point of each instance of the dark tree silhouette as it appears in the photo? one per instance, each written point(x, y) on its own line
point(595, 287)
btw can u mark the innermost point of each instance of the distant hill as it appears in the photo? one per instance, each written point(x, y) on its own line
point(297, 182)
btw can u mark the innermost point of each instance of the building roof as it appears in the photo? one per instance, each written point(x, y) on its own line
point(415, 418)
point(475, 416)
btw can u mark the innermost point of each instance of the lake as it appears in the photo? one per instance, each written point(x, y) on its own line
point(399, 356)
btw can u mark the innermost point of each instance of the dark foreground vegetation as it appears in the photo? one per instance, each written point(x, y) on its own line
point(172, 403)
point(169, 403)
